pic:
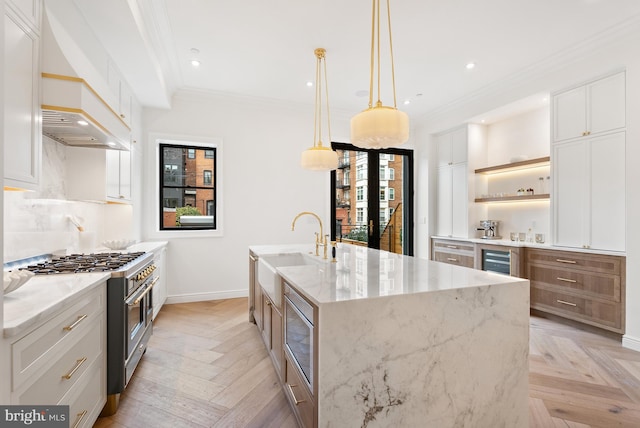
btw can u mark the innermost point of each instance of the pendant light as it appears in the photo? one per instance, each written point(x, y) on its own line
point(319, 157)
point(379, 126)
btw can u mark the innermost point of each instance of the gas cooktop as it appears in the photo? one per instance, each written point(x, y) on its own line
point(82, 263)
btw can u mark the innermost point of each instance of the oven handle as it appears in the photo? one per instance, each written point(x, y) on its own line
point(136, 299)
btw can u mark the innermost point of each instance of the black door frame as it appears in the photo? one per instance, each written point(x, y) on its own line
point(373, 193)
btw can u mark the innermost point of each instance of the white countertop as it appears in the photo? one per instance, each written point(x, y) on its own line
point(44, 295)
point(545, 246)
point(363, 273)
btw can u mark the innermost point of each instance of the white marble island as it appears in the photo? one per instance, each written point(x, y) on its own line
point(407, 342)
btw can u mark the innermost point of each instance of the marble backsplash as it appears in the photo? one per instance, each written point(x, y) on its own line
point(40, 222)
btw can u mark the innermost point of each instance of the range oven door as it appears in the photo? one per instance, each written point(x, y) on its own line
point(139, 311)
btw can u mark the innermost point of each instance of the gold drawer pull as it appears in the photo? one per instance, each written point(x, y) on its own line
point(573, 262)
point(75, 324)
point(566, 303)
point(452, 246)
point(75, 369)
point(294, 395)
point(451, 259)
point(80, 417)
point(573, 281)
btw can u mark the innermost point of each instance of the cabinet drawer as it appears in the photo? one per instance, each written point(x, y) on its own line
point(453, 246)
point(601, 314)
point(586, 284)
point(454, 259)
point(35, 350)
point(573, 260)
point(88, 396)
point(63, 372)
point(299, 395)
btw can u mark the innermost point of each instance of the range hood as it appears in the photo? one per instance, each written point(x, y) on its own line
point(75, 112)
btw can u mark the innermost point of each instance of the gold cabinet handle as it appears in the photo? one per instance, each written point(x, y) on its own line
point(268, 302)
point(79, 418)
point(75, 369)
point(573, 262)
point(451, 259)
point(75, 324)
point(573, 281)
point(566, 303)
point(294, 395)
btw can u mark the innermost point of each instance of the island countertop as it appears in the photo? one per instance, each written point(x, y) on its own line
point(364, 273)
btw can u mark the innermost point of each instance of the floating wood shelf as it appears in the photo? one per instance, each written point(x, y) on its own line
point(514, 166)
point(522, 198)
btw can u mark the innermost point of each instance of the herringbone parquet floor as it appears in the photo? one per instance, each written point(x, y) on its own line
point(206, 366)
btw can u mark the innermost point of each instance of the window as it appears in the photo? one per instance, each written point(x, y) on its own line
point(360, 193)
point(186, 200)
point(361, 172)
point(392, 194)
point(383, 193)
point(359, 215)
point(391, 174)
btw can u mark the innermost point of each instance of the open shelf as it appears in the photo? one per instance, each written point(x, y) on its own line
point(514, 166)
point(522, 198)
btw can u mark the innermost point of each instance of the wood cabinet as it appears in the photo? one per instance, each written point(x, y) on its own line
point(590, 109)
point(63, 359)
point(589, 193)
point(584, 287)
point(22, 117)
point(302, 401)
point(98, 175)
point(272, 332)
point(459, 253)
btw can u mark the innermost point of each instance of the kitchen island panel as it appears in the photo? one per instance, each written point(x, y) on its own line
point(452, 358)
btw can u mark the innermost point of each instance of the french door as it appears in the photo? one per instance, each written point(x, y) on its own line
point(372, 198)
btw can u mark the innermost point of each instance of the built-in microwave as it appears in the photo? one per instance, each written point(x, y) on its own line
point(298, 332)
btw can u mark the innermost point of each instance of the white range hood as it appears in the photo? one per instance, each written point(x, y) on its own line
point(74, 111)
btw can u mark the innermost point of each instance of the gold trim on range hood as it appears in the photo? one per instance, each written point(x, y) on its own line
point(69, 110)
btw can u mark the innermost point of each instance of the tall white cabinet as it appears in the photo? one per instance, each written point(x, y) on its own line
point(458, 151)
point(588, 166)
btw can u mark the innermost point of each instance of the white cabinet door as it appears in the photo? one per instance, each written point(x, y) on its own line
point(443, 144)
point(459, 201)
point(22, 124)
point(118, 175)
point(607, 201)
point(125, 175)
point(160, 289)
point(569, 110)
point(444, 204)
point(459, 143)
point(606, 104)
point(570, 172)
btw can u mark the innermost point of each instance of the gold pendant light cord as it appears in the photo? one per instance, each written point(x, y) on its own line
point(317, 113)
point(321, 66)
point(375, 37)
point(326, 89)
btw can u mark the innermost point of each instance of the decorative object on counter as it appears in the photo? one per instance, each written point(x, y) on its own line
point(522, 237)
point(513, 236)
point(541, 185)
point(320, 157)
point(490, 229)
point(529, 191)
point(380, 126)
point(118, 244)
point(521, 192)
point(539, 238)
point(12, 280)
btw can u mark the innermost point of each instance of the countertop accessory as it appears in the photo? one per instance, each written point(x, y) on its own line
point(118, 244)
point(12, 280)
point(379, 126)
point(540, 238)
point(319, 157)
point(489, 229)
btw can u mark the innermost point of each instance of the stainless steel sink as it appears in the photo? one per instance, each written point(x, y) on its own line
point(269, 278)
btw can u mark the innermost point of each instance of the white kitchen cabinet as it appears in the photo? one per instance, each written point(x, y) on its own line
point(160, 289)
point(590, 109)
point(98, 175)
point(62, 360)
point(22, 117)
point(456, 215)
point(589, 192)
point(121, 98)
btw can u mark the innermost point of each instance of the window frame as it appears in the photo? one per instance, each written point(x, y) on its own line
point(218, 182)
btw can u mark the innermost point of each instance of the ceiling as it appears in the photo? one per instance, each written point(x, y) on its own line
point(264, 49)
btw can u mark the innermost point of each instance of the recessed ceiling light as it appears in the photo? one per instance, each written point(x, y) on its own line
point(470, 65)
point(111, 144)
point(309, 84)
point(482, 121)
point(407, 102)
point(195, 63)
point(82, 122)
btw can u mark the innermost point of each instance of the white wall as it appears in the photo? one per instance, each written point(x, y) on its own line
point(571, 69)
point(264, 187)
point(5, 364)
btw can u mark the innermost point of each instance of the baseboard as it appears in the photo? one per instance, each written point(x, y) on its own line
point(631, 342)
point(201, 297)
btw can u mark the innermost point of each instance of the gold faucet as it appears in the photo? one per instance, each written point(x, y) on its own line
point(320, 238)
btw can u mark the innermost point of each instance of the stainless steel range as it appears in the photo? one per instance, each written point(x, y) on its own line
point(129, 308)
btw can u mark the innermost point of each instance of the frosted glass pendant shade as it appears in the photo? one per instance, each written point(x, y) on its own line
point(379, 127)
point(319, 158)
